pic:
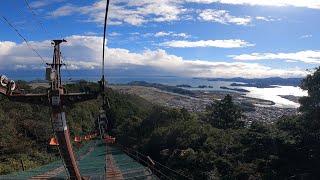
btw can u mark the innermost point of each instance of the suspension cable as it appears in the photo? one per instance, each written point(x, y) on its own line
point(39, 22)
point(66, 64)
point(28, 44)
point(14, 5)
point(103, 45)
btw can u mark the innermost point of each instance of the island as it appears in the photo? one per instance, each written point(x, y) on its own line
point(234, 89)
point(253, 85)
point(203, 86)
point(184, 86)
point(163, 87)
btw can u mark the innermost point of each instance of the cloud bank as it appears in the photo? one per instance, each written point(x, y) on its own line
point(223, 17)
point(231, 43)
point(312, 4)
point(140, 12)
point(308, 56)
point(122, 11)
point(84, 52)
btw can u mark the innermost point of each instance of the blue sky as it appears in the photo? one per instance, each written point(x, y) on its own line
point(196, 38)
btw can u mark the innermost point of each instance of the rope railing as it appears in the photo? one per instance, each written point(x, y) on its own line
point(135, 156)
point(150, 163)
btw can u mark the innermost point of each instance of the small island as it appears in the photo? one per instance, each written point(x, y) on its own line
point(257, 85)
point(234, 89)
point(203, 86)
point(162, 87)
point(184, 86)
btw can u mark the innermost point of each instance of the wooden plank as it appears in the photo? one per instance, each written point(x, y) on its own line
point(112, 170)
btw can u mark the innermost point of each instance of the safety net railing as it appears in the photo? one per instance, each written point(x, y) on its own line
point(156, 168)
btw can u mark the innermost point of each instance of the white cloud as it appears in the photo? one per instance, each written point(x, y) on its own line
point(121, 11)
point(37, 4)
point(114, 34)
point(184, 35)
point(42, 3)
point(232, 43)
point(6, 46)
point(268, 18)
point(308, 56)
point(20, 66)
point(306, 36)
point(84, 52)
point(170, 33)
point(90, 33)
point(262, 18)
point(158, 34)
point(313, 4)
point(291, 61)
point(223, 17)
point(140, 12)
point(135, 33)
point(63, 11)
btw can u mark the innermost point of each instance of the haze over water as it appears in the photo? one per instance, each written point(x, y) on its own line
point(273, 94)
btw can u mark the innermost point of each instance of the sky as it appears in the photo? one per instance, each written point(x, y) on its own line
point(187, 38)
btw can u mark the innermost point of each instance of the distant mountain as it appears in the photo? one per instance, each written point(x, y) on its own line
point(260, 82)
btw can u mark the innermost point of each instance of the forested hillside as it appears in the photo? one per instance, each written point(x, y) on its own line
point(215, 144)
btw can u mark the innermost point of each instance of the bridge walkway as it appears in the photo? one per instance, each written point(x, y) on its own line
point(96, 161)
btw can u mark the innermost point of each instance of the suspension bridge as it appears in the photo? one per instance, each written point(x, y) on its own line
point(96, 160)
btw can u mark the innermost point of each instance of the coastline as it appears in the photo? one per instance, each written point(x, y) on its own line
point(268, 96)
point(254, 109)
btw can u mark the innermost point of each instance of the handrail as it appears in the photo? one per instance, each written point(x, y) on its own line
point(152, 162)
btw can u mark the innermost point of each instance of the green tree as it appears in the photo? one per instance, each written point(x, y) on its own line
point(224, 114)
point(310, 105)
point(310, 122)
